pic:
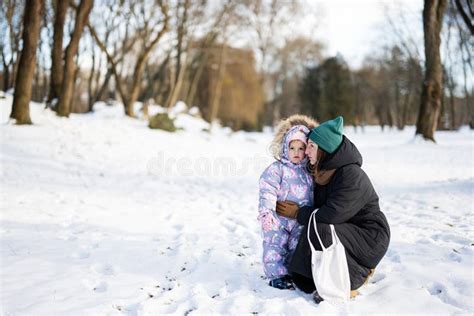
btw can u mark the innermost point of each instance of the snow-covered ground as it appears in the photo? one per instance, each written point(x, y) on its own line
point(102, 216)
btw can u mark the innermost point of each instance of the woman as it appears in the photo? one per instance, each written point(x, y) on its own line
point(344, 197)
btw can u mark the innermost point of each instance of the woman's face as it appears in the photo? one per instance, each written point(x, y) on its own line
point(311, 151)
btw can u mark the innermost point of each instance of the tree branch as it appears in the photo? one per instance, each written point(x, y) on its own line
point(464, 15)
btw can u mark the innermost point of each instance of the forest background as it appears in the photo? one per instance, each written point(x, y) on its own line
point(245, 64)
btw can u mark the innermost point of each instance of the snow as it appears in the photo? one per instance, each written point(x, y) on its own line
point(101, 215)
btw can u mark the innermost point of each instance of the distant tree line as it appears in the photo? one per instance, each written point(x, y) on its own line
point(389, 88)
point(71, 54)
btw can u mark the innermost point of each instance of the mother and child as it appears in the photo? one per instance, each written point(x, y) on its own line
point(317, 167)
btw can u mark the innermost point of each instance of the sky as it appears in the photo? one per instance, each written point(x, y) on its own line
point(353, 28)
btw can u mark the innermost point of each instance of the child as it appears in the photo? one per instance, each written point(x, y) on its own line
point(285, 179)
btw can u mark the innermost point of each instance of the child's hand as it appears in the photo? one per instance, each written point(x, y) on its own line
point(269, 222)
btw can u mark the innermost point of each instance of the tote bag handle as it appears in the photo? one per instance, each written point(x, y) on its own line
point(312, 219)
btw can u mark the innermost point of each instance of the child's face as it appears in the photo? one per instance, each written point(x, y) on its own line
point(296, 152)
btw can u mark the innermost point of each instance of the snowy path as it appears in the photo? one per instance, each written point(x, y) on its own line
point(100, 215)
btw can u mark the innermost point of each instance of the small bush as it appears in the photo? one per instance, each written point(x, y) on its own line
point(162, 121)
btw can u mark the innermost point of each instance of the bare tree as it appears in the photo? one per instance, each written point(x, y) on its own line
point(189, 15)
point(148, 33)
point(400, 28)
point(432, 90)
point(447, 117)
point(220, 20)
point(465, 32)
point(40, 82)
point(60, 10)
point(82, 14)
point(26, 69)
point(267, 19)
point(182, 10)
point(240, 93)
point(218, 83)
point(98, 83)
point(364, 88)
point(11, 12)
point(291, 62)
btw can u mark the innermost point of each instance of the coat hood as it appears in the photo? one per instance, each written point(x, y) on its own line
point(283, 127)
point(346, 154)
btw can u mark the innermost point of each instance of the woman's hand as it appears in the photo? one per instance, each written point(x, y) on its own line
point(287, 208)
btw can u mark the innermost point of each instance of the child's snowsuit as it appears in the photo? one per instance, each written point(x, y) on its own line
point(282, 180)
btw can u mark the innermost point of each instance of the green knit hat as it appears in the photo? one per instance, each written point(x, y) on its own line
point(328, 135)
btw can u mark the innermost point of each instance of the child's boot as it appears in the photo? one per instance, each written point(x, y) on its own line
point(282, 283)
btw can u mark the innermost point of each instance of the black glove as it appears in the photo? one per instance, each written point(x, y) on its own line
point(304, 214)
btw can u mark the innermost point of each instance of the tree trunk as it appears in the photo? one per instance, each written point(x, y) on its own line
point(389, 116)
point(195, 80)
point(101, 90)
point(75, 99)
point(452, 112)
point(15, 35)
point(179, 83)
point(95, 86)
point(139, 67)
point(398, 107)
point(450, 85)
point(209, 42)
point(36, 85)
point(218, 88)
point(159, 80)
point(89, 85)
point(6, 71)
point(406, 106)
point(181, 34)
point(138, 72)
point(57, 51)
point(136, 82)
point(432, 89)
point(26, 69)
point(82, 14)
point(467, 64)
point(113, 65)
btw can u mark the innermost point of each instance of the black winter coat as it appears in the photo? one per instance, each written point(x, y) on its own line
point(350, 203)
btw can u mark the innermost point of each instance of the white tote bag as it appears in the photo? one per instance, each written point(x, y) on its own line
point(329, 267)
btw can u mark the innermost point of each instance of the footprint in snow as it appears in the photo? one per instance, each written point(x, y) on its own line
point(67, 236)
point(103, 269)
point(435, 288)
point(454, 256)
point(95, 285)
point(393, 256)
point(80, 255)
point(131, 309)
point(178, 227)
point(377, 277)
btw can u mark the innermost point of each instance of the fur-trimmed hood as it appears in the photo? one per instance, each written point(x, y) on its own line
point(277, 145)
